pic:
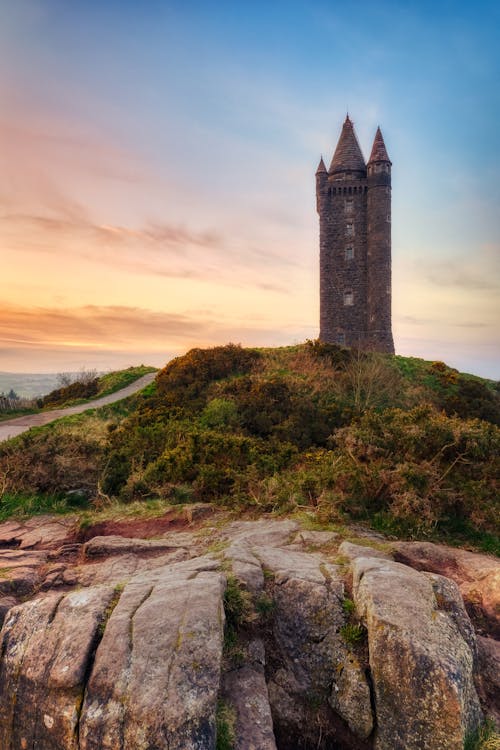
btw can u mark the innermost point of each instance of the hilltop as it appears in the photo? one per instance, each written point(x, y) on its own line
point(409, 447)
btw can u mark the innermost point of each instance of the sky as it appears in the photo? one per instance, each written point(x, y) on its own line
point(158, 161)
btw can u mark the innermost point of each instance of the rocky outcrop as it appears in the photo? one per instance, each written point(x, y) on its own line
point(421, 649)
point(155, 678)
point(245, 689)
point(40, 531)
point(478, 577)
point(47, 645)
point(121, 643)
point(20, 571)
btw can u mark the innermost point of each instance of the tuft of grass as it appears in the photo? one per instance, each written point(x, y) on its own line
point(237, 604)
point(348, 606)
point(265, 605)
point(225, 720)
point(20, 505)
point(484, 738)
point(352, 633)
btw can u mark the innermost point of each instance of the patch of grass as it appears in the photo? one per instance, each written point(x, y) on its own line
point(267, 573)
point(13, 413)
point(348, 606)
point(484, 738)
point(115, 381)
point(310, 522)
point(14, 505)
point(116, 511)
point(117, 592)
point(225, 720)
point(218, 546)
point(265, 605)
point(353, 633)
point(237, 604)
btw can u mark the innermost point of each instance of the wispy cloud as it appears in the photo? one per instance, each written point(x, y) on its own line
point(480, 271)
point(157, 249)
point(118, 328)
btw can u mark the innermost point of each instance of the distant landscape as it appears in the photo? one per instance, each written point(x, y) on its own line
point(29, 385)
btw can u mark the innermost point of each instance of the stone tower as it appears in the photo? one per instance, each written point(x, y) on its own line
point(354, 206)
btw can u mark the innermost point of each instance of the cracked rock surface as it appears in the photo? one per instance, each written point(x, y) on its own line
point(277, 636)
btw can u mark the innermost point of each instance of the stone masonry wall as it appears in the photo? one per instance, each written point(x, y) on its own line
point(343, 260)
point(379, 258)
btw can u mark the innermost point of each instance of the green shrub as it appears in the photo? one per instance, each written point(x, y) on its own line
point(473, 400)
point(71, 392)
point(220, 413)
point(51, 461)
point(184, 381)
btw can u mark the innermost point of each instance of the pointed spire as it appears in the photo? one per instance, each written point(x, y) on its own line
point(321, 166)
point(347, 156)
point(379, 151)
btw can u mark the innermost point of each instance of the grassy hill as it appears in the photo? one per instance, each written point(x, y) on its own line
point(86, 386)
point(407, 446)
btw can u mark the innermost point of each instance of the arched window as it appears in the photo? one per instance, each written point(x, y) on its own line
point(348, 298)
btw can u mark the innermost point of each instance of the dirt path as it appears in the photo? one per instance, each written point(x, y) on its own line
point(13, 427)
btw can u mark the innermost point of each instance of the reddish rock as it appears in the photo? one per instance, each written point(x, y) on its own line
point(478, 577)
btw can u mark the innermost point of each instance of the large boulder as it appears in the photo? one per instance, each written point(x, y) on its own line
point(155, 678)
point(478, 577)
point(421, 649)
point(47, 647)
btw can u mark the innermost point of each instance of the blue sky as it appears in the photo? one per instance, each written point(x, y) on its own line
point(160, 161)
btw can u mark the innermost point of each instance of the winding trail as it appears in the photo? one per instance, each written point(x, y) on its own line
point(13, 427)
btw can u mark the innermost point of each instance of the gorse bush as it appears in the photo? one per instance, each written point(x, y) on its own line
point(473, 399)
point(70, 392)
point(51, 462)
point(184, 381)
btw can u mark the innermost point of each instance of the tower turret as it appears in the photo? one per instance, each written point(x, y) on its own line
point(342, 212)
point(321, 179)
point(379, 247)
point(348, 157)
